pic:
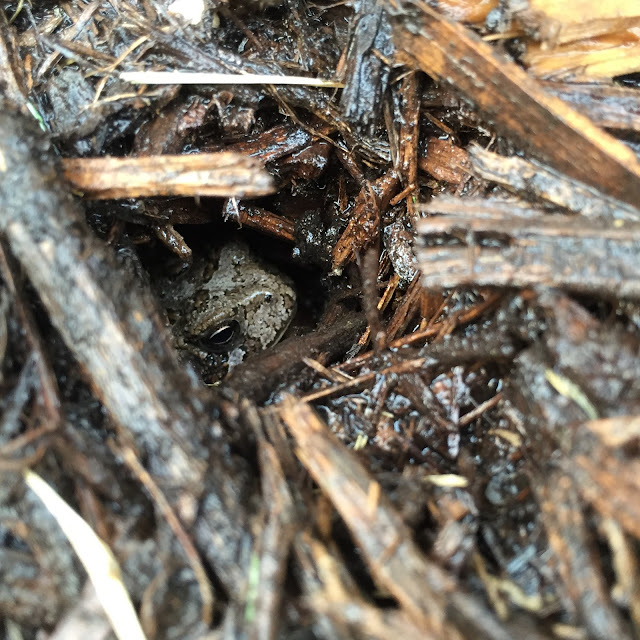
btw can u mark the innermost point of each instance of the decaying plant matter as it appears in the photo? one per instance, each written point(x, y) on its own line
point(444, 444)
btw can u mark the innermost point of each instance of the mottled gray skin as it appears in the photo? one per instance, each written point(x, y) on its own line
point(232, 288)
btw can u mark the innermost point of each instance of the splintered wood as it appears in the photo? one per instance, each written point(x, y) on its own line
point(365, 219)
point(581, 41)
point(207, 174)
point(445, 161)
point(395, 561)
point(509, 243)
point(608, 106)
point(514, 104)
point(259, 218)
point(554, 22)
point(483, 242)
point(535, 181)
point(380, 531)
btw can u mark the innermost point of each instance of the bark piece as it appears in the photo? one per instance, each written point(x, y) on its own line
point(533, 181)
point(498, 248)
point(223, 174)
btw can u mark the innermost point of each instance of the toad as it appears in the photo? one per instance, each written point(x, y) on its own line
point(227, 306)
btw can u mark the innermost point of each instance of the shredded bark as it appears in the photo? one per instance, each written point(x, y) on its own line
point(443, 441)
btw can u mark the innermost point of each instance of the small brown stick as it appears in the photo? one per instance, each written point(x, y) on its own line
point(20, 464)
point(361, 381)
point(329, 374)
point(403, 194)
point(463, 316)
point(280, 141)
point(407, 308)
point(173, 240)
point(369, 273)
point(409, 132)
point(142, 475)
point(24, 440)
point(383, 303)
point(468, 418)
point(260, 219)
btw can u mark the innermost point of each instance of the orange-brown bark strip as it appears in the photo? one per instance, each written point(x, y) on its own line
point(409, 131)
point(445, 161)
point(267, 222)
point(363, 226)
point(514, 103)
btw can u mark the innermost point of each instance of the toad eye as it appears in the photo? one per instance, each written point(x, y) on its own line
point(222, 338)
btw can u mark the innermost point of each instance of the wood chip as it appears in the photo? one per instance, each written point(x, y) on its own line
point(222, 174)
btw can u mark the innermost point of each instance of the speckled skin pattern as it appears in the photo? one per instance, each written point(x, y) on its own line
point(232, 286)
